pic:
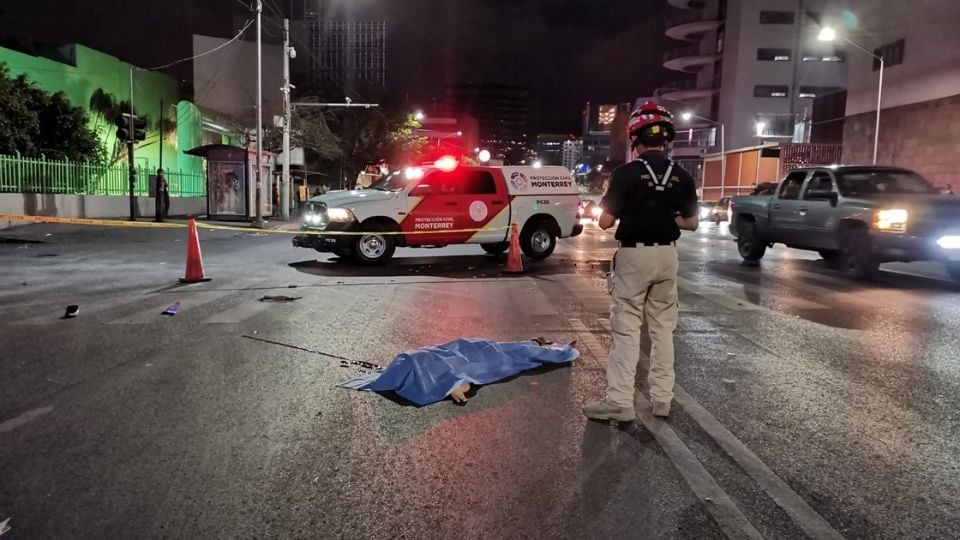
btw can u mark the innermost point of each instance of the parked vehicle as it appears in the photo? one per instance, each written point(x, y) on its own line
point(446, 204)
point(856, 217)
point(721, 210)
point(589, 210)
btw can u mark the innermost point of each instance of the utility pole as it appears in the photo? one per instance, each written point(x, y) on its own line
point(258, 222)
point(285, 183)
point(158, 200)
point(130, 162)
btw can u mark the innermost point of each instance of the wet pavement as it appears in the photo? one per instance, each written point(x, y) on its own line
point(814, 406)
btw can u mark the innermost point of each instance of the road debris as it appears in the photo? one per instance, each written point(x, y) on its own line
point(280, 299)
point(304, 349)
point(172, 310)
point(430, 374)
point(5, 526)
point(72, 311)
point(728, 381)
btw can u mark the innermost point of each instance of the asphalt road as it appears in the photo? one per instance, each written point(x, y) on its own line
point(809, 406)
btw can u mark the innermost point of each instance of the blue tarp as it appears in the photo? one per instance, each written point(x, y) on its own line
point(429, 374)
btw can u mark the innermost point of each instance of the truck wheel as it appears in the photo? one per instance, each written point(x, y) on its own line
point(749, 243)
point(374, 248)
point(856, 256)
point(830, 257)
point(538, 239)
point(496, 248)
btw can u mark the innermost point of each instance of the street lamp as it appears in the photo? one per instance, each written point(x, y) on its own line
point(418, 116)
point(484, 156)
point(687, 116)
point(829, 34)
point(447, 136)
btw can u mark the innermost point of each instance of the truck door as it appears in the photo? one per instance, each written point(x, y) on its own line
point(786, 223)
point(818, 211)
point(486, 201)
point(435, 207)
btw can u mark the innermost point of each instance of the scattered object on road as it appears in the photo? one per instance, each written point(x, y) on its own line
point(430, 374)
point(72, 311)
point(172, 310)
point(280, 299)
point(5, 526)
point(194, 273)
point(361, 364)
point(728, 381)
point(304, 349)
point(514, 262)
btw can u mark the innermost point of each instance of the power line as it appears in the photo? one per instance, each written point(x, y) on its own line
point(213, 50)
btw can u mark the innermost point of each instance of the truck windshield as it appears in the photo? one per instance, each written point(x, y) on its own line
point(392, 182)
point(882, 182)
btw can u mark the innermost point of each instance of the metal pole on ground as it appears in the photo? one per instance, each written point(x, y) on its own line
point(258, 222)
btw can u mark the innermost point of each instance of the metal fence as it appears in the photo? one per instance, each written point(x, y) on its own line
point(31, 175)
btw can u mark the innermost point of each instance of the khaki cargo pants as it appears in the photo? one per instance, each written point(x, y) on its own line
point(644, 287)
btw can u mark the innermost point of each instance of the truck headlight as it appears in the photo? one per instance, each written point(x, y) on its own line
point(891, 220)
point(339, 214)
point(705, 212)
point(313, 219)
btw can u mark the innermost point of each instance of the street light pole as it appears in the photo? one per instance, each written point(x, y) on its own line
point(829, 34)
point(258, 222)
point(285, 182)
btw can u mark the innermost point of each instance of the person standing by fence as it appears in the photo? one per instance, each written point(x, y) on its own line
point(163, 191)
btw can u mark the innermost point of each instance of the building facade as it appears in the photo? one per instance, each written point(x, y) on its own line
point(347, 55)
point(550, 148)
point(571, 153)
point(501, 111)
point(920, 109)
point(753, 65)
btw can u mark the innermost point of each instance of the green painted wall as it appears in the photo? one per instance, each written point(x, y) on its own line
point(83, 71)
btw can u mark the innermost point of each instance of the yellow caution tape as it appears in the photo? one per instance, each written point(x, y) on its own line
point(94, 222)
point(202, 225)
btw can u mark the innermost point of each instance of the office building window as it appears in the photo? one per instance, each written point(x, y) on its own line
point(771, 90)
point(892, 54)
point(776, 17)
point(773, 55)
point(816, 91)
point(824, 55)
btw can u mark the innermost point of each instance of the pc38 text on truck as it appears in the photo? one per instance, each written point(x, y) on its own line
point(445, 204)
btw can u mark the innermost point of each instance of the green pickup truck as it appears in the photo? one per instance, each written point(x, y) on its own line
point(856, 217)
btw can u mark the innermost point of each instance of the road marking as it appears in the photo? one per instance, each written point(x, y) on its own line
point(24, 418)
point(724, 511)
point(802, 514)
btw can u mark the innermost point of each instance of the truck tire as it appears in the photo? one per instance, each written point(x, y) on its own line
point(749, 244)
point(538, 239)
point(374, 248)
point(496, 248)
point(857, 259)
point(830, 257)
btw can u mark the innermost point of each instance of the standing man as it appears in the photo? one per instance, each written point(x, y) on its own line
point(654, 199)
point(163, 191)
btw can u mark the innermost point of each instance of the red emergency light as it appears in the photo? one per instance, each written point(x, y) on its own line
point(446, 163)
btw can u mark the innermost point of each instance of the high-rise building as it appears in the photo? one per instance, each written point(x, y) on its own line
point(753, 65)
point(347, 55)
point(501, 111)
point(571, 153)
point(550, 148)
point(605, 133)
point(920, 107)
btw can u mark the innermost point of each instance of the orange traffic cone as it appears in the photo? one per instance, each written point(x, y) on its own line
point(514, 263)
point(194, 260)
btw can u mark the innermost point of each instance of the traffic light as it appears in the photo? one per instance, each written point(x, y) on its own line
point(123, 128)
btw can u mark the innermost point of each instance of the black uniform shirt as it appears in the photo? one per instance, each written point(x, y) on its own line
point(646, 214)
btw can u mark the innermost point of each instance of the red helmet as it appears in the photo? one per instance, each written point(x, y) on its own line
point(653, 117)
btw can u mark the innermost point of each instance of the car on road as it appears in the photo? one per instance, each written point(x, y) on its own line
point(716, 212)
point(589, 210)
point(443, 204)
point(856, 217)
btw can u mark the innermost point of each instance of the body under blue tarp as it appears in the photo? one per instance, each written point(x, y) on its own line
point(429, 374)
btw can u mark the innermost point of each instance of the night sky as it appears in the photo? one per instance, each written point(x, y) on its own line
point(567, 51)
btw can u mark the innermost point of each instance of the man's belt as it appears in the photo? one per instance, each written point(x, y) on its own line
point(626, 244)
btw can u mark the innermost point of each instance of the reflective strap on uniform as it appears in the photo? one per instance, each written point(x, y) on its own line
point(661, 183)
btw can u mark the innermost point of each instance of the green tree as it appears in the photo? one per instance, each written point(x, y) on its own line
point(36, 123)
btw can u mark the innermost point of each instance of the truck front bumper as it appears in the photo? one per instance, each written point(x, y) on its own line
point(327, 243)
point(906, 248)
